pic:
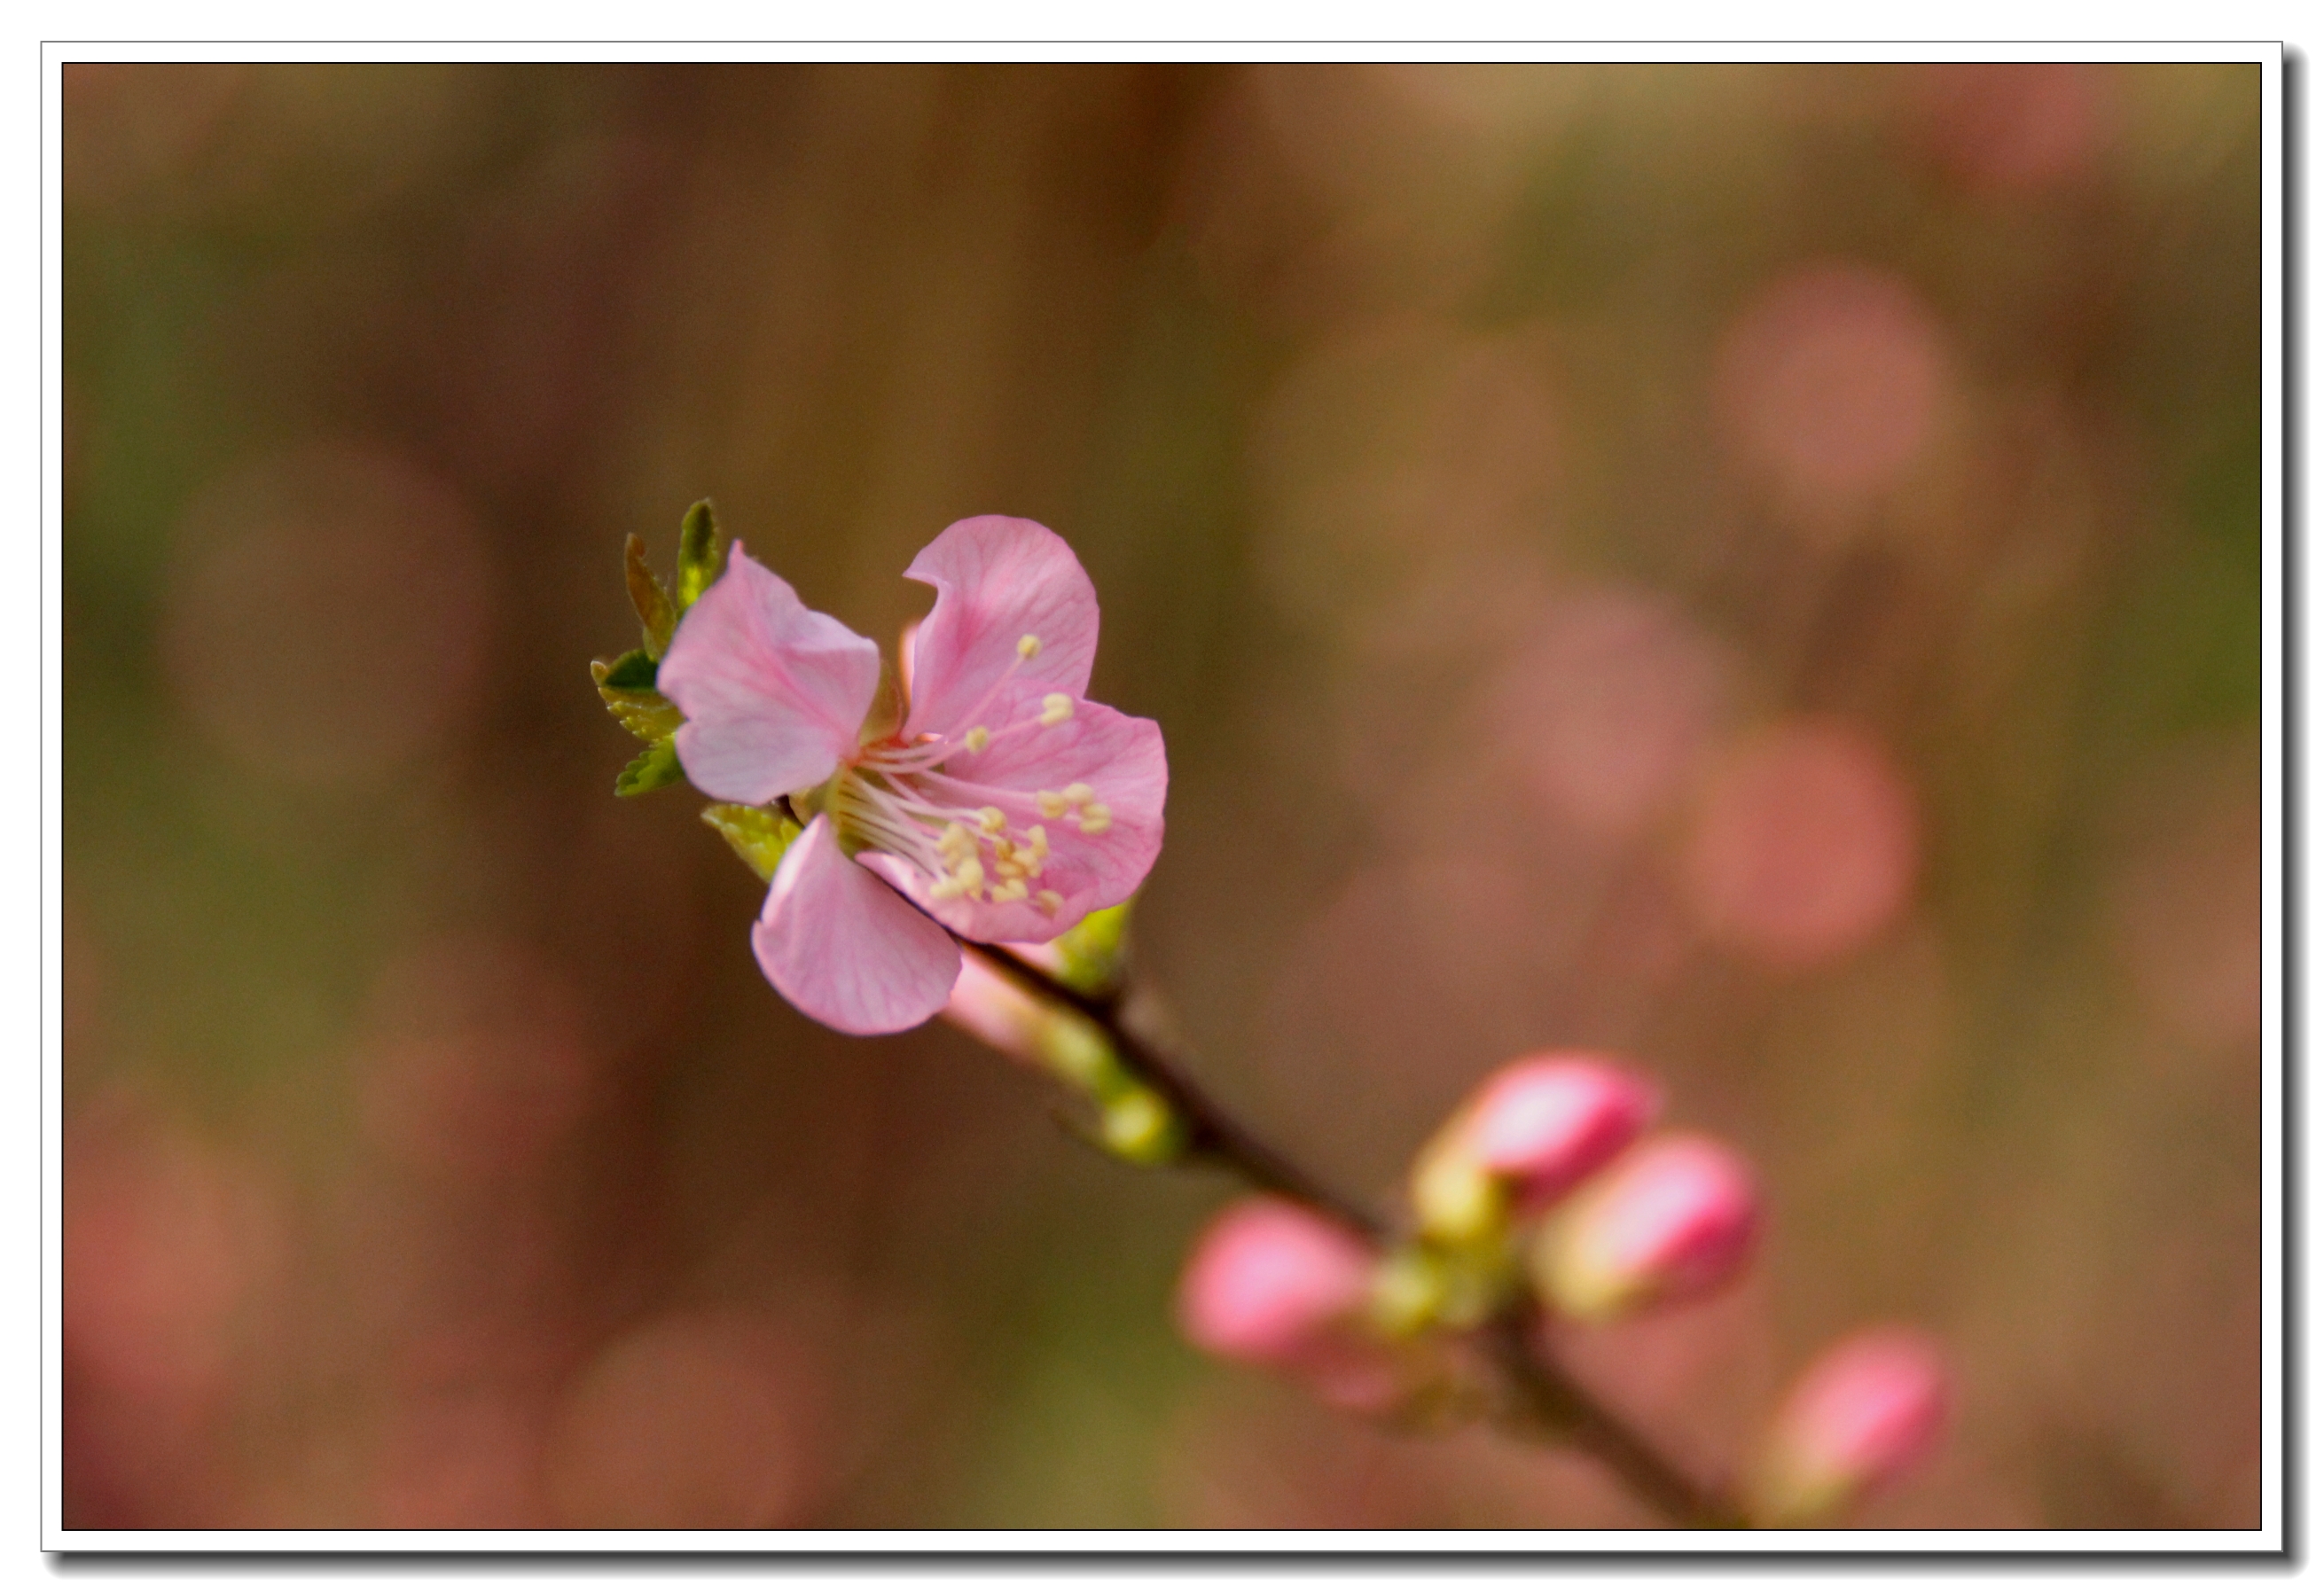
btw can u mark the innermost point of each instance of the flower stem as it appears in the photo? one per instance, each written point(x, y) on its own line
point(1546, 1401)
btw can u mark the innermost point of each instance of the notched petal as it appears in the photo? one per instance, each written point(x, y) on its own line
point(998, 580)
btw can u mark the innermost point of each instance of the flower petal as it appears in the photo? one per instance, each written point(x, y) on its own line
point(773, 692)
point(1119, 758)
point(998, 580)
point(844, 949)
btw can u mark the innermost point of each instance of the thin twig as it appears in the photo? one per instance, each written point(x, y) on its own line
point(1213, 1132)
point(1549, 1402)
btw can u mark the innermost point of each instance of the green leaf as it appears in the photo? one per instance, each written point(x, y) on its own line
point(758, 835)
point(635, 670)
point(650, 770)
point(700, 553)
point(648, 596)
point(646, 714)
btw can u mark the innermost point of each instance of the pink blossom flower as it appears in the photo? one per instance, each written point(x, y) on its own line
point(1005, 808)
point(1675, 1219)
point(1869, 1409)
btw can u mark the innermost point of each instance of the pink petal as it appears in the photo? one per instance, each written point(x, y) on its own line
point(844, 949)
point(998, 580)
point(773, 693)
point(1118, 758)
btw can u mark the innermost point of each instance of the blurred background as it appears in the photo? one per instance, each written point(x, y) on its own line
point(1756, 568)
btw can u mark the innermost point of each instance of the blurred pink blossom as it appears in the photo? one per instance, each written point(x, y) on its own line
point(1675, 1219)
point(1272, 1285)
point(1005, 808)
point(1869, 1409)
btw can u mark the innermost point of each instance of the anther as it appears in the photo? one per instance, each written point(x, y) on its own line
point(1075, 795)
point(1096, 818)
point(1049, 901)
point(1055, 709)
point(1052, 804)
point(976, 739)
point(1009, 890)
point(991, 820)
point(1029, 647)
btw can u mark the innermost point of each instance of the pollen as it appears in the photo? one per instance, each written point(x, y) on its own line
point(1049, 901)
point(977, 739)
point(1055, 708)
point(1052, 804)
point(956, 842)
point(1076, 794)
point(991, 820)
point(1029, 647)
point(1009, 890)
point(1096, 818)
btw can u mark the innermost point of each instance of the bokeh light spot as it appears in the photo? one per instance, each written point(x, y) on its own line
point(702, 1420)
point(1830, 383)
point(1804, 846)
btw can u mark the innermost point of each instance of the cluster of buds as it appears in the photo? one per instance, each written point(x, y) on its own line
point(1546, 1191)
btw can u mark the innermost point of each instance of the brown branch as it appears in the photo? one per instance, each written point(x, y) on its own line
point(1548, 1401)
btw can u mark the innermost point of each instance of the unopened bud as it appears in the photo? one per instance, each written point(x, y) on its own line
point(1138, 1126)
point(1273, 1285)
point(1674, 1220)
point(1548, 1122)
point(1532, 1132)
point(1455, 1197)
point(1869, 1408)
point(1005, 1016)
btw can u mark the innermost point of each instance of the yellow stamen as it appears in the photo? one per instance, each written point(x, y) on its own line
point(1039, 837)
point(1029, 647)
point(1075, 795)
point(991, 820)
point(1049, 901)
point(977, 739)
point(1096, 818)
point(1056, 708)
point(1009, 890)
point(1052, 805)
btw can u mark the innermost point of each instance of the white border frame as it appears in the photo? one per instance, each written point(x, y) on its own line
point(2270, 1538)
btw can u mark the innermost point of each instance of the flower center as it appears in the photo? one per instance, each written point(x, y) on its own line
point(893, 796)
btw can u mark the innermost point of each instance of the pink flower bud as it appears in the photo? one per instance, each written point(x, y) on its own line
point(1273, 1285)
point(1870, 1408)
point(1674, 1220)
point(1530, 1133)
point(1550, 1121)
